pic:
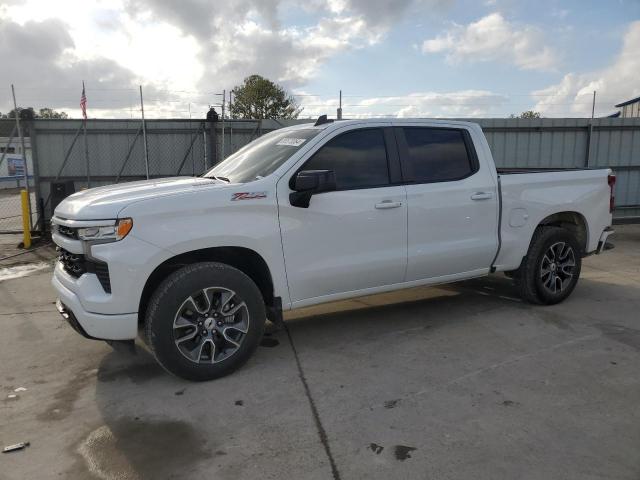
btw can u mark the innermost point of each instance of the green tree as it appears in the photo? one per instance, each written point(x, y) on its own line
point(29, 113)
point(25, 113)
point(259, 97)
point(51, 113)
point(527, 114)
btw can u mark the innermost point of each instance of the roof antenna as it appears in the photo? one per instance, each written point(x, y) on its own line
point(322, 119)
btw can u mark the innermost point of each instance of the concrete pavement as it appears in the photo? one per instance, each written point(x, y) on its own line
point(455, 382)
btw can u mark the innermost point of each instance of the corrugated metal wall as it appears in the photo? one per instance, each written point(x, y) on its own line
point(573, 143)
point(184, 147)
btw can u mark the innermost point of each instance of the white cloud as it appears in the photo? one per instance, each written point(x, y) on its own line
point(492, 38)
point(182, 49)
point(618, 82)
point(462, 103)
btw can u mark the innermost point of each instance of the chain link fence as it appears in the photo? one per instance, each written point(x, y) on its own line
point(13, 176)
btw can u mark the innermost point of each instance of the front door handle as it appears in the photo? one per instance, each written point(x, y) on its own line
point(481, 196)
point(388, 204)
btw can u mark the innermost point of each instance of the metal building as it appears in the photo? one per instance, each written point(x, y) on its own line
point(630, 108)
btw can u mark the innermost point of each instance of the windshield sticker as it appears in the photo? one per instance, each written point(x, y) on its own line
point(291, 142)
point(248, 195)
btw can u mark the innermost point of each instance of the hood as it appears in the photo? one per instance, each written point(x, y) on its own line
point(105, 202)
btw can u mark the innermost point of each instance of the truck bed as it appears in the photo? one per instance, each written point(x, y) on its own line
point(526, 200)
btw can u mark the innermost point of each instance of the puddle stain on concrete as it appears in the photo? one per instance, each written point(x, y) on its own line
point(552, 318)
point(625, 335)
point(375, 448)
point(391, 403)
point(65, 398)
point(402, 452)
point(269, 342)
point(138, 373)
point(134, 449)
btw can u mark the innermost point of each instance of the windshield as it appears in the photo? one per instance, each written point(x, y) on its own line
point(262, 156)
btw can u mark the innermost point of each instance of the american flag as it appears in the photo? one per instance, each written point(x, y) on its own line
point(83, 103)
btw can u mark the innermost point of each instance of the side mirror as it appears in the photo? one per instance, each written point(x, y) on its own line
point(308, 182)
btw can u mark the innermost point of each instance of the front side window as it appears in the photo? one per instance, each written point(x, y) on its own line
point(437, 154)
point(358, 158)
point(262, 156)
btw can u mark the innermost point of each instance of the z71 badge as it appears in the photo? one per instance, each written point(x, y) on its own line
point(248, 195)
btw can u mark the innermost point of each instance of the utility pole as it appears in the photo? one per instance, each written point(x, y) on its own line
point(340, 107)
point(144, 136)
point(593, 105)
point(24, 152)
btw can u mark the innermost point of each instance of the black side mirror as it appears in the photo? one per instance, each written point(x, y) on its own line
point(308, 182)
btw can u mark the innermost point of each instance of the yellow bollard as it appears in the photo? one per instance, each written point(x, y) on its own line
point(26, 214)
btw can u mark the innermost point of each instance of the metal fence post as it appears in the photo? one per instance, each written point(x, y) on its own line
point(144, 136)
point(33, 138)
point(213, 152)
point(224, 96)
point(204, 145)
point(86, 152)
point(587, 156)
point(24, 151)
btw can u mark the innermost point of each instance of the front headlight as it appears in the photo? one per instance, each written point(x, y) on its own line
point(109, 232)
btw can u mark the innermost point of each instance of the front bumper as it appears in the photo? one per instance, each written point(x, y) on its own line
point(94, 325)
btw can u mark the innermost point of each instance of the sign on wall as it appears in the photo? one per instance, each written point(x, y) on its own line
point(15, 166)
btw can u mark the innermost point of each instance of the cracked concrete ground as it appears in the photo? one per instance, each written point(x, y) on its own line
point(454, 382)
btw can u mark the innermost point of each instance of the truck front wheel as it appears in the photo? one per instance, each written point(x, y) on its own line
point(550, 271)
point(204, 321)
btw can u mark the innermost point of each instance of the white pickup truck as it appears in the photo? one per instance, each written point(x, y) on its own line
point(310, 214)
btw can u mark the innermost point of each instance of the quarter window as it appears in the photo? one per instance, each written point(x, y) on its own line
point(437, 154)
point(358, 158)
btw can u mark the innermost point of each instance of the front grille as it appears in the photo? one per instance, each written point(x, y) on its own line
point(68, 232)
point(77, 265)
point(74, 264)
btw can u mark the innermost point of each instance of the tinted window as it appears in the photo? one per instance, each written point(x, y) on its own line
point(437, 155)
point(358, 158)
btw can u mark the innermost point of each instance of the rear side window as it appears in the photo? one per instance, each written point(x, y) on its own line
point(437, 154)
point(358, 158)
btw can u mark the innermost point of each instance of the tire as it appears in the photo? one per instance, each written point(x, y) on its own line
point(199, 341)
point(546, 275)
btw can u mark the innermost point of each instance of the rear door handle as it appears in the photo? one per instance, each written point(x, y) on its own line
point(481, 196)
point(385, 204)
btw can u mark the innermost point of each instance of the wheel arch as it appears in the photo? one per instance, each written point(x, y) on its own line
point(244, 259)
point(572, 221)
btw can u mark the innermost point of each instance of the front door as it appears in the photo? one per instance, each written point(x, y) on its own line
point(352, 238)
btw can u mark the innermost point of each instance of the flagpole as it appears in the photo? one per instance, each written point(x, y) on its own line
point(86, 145)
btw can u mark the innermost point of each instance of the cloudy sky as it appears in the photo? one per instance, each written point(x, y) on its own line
point(456, 58)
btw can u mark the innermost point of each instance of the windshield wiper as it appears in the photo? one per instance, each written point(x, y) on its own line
point(224, 179)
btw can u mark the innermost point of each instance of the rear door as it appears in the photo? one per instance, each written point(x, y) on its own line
point(353, 238)
point(452, 203)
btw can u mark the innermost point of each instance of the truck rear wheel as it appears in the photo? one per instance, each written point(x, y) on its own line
point(204, 321)
point(550, 271)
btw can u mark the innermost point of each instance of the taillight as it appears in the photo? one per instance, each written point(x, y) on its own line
point(611, 180)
